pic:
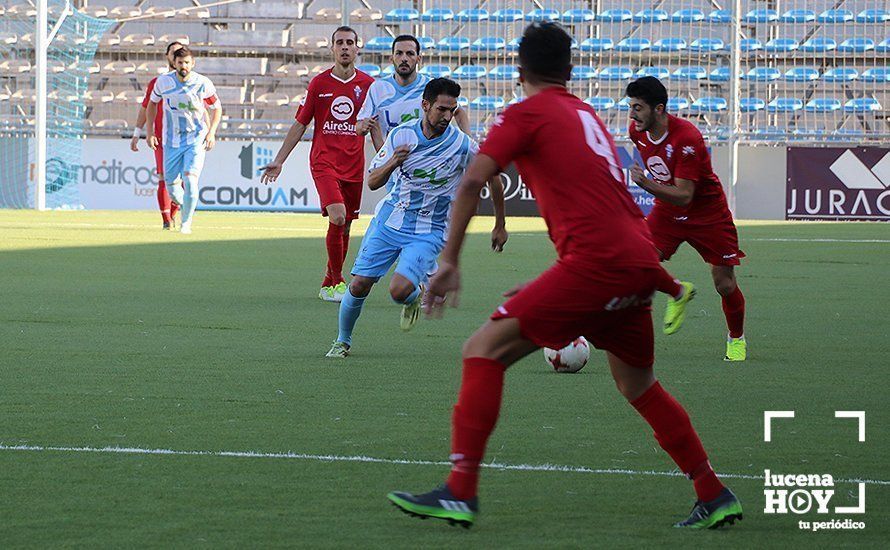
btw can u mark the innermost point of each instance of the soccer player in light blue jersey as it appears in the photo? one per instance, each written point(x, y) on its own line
point(191, 115)
point(421, 162)
point(395, 99)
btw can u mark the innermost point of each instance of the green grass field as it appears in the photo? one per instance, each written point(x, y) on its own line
point(116, 334)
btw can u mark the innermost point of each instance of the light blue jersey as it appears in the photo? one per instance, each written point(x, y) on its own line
point(185, 107)
point(421, 190)
point(392, 103)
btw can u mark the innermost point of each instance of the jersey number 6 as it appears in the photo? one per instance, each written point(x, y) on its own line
point(597, 141)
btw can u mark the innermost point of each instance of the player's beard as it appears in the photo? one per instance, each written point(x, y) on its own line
point(405, 70)
point(183, 73)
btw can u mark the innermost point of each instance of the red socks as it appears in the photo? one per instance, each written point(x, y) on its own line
point(675, 434)
point(667, 284)
point(734, 309)
point(336, 255)
point(475, 415)
point(345, 243)
point(164, 201)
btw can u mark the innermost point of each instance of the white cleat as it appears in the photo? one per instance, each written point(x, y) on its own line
point(186, 228)
point(328, 294)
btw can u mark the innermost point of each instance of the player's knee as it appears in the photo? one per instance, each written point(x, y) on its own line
point(400, 290)
point(360, 286)
point(337, 218)
point(725, 285)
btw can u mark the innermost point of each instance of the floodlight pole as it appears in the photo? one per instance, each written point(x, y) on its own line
point(735, 117)
point(41, 47)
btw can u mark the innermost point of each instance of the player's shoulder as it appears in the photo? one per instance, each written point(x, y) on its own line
point(407, 133)
point(164, 82)
point(321, 79)
point(364, 78)
point(682, 129)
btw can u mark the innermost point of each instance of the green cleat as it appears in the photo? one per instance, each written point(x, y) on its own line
point(736, 349)
point(340, 291)
point(411, 312)
point(328, 294)
point(725, 509)
point(438, 503)
point(339, 350)
point(676, 309)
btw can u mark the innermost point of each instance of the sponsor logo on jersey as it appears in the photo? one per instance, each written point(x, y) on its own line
point(658, 169)
point(670, 150)
point(688, 150)
point(358, 91)
point(326, 95)
point(342, 108)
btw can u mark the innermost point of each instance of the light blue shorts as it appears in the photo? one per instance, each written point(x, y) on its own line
point(179, 160)
point(382, 246)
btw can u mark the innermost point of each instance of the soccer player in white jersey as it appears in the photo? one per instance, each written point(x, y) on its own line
point(422, 161)
point(395, 99)
point(191, 116)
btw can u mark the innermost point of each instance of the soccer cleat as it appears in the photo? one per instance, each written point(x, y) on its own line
point(736, 349)
point(724, 509)
point(411, 312)
point(340, 291)
point(438, 503)
point(339, 350)
point(328, 295)
point(186, 228)
point(676, 309)
point(166, 226)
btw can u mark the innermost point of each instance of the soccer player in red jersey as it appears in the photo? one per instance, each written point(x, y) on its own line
point(337, 159)
point(689, 202)
point(168, 207)
point(600, 287)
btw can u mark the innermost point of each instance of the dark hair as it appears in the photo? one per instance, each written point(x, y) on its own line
point(545, 53)
point(344, 28)
point(171, 44)
point(183, 52)
point(440, 86)
point(405, 38)
point(649, 89)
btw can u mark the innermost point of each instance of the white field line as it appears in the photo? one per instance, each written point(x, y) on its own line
point(375, 460)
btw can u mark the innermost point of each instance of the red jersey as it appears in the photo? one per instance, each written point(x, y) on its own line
point(568, 160)
point(681, 153)
point(333, 103)
point(159, 118)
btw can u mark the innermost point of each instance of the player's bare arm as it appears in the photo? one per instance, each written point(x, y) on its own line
point(679, 194)
point(140, 122)
point(272, 170)
point(499, 234)
point(215, 118)
point(377, 178)
point(150, 114)
point(377, 137)
point(462, 119)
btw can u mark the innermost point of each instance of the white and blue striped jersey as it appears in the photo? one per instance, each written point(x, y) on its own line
point(392, 103)
point(185, 107)
point(422, 188)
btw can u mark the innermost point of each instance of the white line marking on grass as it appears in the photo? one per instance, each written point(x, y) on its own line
point(794, 240)
point(375, 460)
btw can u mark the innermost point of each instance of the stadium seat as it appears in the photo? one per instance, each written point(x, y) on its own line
point(109, 40)
point(472, 15)
point(272, 100)
point(365, 15)
point(436, 71)
point(148, 68)
point(311, 44)
point(503, 72)
point(660, 73)
point(677, 104)
point(623, 105)
point(139, 39)
point(750, 45)
point(616, 15)
point(720, 74)
point(873, 16)
point(15, 66)
point(801, 74)
point(597, 45)
point(709, 105)
point(437, 15)
point(401, 15)
point(299, 70)
point(371, 69)
point(488, 44)
point(578, 16)
point(856, 45)
point(469, 72)
point(650, 16)
point(751, 104)
point(453, 43)
point(785, 105)
point(160, 12)
point(379, 44)
point(119, 68)
point(507, 15)
point(600, 103)
point(781, 45)
point(177, 37)
point(97, 12)
point(798, 16)
point(763, 74)
point(823, 105)
point(862, 105)
point(840, 74)
point(876, 74)
point(688, 16)
point(633, 45)
point(581, 73)
point(389, 70)
point(124, 12)
point(328, 15)
point(616, 73)
point(707, 45)
point(463, 102)
point(249, 39)
point(818, 45)
point(546, 14)
point(113, 123)
point(690, 73)
point(513, 45)
point(426, 43)
point(488, 103)
point(720, 16)
point(847, 134)
point(835, 16)
point(761, 16)
point(8, 38)
point(98, 96)
point(669, 45)
point(883, 46)
point(235, 66)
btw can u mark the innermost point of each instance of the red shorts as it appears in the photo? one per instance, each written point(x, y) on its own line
point(611, 308)
point(332, 191)
point(717, 243)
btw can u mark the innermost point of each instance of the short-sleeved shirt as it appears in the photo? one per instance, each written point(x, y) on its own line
point(333, 104)
point(422, 189)
point(159, 117)
point(568, 160)
point(681, 153)
point(392, 103)
point(185, 107)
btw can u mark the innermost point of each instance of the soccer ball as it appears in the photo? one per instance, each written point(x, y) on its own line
point(571, 358)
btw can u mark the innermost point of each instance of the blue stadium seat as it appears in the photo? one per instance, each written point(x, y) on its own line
point(489, 44)
point(575, 44)
point(581, 73)
point(469, 72)
point(876, 74)
point(616, 15)
point(507, 15)
point(862, 105)
point(763, 74)
point(856, 45)
point(622, 105)
point(884, 46)
point(650, 16)
point(513, 45)
point(707, 45)
point(660, 73)
point(846, 134)
point(463, 102)
point(873, 16)
point(379, 44)
point(515, 100)
point(751, 104)
point(720, 16)
point(818, 45)
point(669, 45)
point(437, 15)
point(693, 72)
point(823, 105)
point(616, 73)
point(785, 105)
point(472, 15)
point(688, 16)
point(709, 105)
point(597, 45)
point(798, 16)
point(840, 74)
point(426, 43)
point(503, 72)
point(436, 71)
point(835, 16)
point(676, 104)
point(453, 43)
point(389, 70)
point(633, 45)
point(578, 16)
point(771, 132)
point(369, 68)
point(781, 45)
point(801, 74)
point(488, 103)
point(761, 16)
point(547, 14)
point(750, 45)
point(720, 74)
point(400, 15)
point(600, 103)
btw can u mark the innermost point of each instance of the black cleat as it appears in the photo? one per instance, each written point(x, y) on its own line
point(438, 503)
point(723, 510)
